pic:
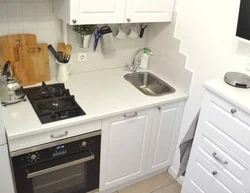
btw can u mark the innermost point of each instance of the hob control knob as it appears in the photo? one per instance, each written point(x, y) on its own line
point(33, 157)
point(84, 143)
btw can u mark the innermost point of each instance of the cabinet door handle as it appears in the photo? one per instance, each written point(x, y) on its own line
point(159, 108)
point(74, 20)
point(219, 159)
point(130, 116)
point(59, 136)
point(233, 111)
point(214, 173)
point(128, 20)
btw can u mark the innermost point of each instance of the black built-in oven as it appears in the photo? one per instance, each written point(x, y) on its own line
point(67, 166)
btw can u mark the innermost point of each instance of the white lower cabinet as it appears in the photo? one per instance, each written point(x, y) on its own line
point(164, 135)
point(203, 177)
point(186, 189)
point(6, 179)
point(125, 141)
point(220, 156)
point(138, 143)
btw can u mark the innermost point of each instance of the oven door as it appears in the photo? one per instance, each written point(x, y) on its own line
point(67, 174)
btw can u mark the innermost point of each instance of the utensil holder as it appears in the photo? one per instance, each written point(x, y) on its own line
point(63, 71)
point(84, 40)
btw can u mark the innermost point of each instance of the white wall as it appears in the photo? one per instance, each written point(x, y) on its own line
point(36, 16)
point(207, 31)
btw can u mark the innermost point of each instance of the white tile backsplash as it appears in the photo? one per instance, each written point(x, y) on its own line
point(14, 9)
point(168, 61)
point(36, 16)
point(29, 9)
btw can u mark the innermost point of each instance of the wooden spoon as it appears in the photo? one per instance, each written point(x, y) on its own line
point(61, 47)
point(68, 49)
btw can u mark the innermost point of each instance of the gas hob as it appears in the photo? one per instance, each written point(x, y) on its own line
point(53, 102)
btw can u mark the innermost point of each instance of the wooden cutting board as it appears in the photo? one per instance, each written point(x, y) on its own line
point(39, 55)
point(25, 68)
point(5, 55)
point(9, 46)
point(19, 40)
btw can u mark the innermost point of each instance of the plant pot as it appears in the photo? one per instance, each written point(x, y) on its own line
point(84, 40)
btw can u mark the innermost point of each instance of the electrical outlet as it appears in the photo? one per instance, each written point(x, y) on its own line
point(82, 57)
point(248, 64)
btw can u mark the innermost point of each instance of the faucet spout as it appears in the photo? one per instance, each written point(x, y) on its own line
point(133, 66)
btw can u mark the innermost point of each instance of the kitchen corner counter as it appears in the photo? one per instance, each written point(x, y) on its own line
point(100, 94)
point(238, 96)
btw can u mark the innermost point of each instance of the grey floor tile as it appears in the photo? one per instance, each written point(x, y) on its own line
point(175, 187)
point(148, 186)
point(169, 176)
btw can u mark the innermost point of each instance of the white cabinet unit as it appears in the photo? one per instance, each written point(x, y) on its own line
point(138, 143)
point(149, 11)
point(6, 180)
point(90, 11)
point(164, 135)
point(203, 177)
point(125, 141)
point(113, 11)
point(220, 160)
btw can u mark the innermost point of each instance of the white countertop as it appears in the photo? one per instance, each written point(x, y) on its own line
point(100, 94)
point(238, 96)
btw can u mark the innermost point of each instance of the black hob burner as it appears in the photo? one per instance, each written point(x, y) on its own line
point(53, 102)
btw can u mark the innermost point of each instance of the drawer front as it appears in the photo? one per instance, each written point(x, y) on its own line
point(226, 161)
point(186, 189)
point(231, 129)
point(54, 135)
point(203, 177)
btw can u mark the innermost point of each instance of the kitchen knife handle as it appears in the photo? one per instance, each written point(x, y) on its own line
point(53, 51)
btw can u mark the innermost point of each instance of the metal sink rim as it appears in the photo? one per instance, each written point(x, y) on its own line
point(172, 89)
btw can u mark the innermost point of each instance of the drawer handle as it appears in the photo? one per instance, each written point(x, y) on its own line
point(233, 111)
point(219, 159)
point(130, 116)
point(214, 173)
point(59, 136)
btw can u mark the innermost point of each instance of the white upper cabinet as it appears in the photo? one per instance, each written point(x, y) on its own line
point(113, 11)
point(90, 11)
point(149, 10)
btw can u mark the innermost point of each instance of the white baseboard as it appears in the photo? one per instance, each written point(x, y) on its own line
point(173, 172)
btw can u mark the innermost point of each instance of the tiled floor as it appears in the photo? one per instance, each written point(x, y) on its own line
point(163, 183)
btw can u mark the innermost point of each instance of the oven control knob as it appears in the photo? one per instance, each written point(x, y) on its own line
point(84, 144)
point(33, 157)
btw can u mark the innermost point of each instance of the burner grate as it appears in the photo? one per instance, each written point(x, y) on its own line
point(53, 103)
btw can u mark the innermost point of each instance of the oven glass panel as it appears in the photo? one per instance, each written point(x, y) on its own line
point(67, 180)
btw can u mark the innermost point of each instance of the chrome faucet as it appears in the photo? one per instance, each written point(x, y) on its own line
point(135, 65)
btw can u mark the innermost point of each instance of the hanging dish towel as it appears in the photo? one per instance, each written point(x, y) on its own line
point(186, 145)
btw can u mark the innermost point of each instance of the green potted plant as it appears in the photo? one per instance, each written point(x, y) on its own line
point(85, 33)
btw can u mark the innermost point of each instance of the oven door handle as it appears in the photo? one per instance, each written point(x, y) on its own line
point(52, 169)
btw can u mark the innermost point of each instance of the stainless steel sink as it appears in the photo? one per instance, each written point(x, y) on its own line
point(149, 84)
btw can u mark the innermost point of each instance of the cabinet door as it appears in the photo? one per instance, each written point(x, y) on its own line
point(164, 136)
point(6, 180)
point(97, 11)
point(149, 11)
point(125, 141)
